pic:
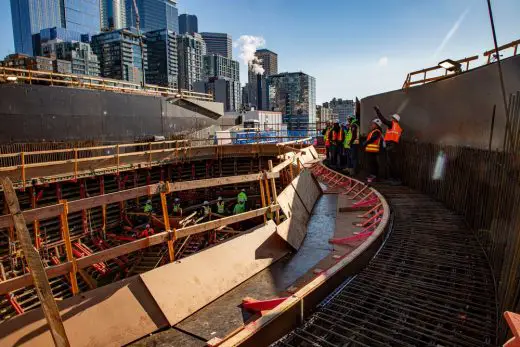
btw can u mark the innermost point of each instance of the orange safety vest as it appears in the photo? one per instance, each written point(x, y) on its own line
point(394, 133)
point(337, 135)
point(327, 137)
point(374, 146)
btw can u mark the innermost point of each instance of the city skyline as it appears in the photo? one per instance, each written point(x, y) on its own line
point(367, 53)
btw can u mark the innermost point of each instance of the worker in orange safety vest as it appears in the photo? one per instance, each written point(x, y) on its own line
point(373, 147)
point(336, 146)
point(326, 138)
point(392, 137)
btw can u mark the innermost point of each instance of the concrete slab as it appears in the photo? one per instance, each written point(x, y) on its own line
point(183, 287)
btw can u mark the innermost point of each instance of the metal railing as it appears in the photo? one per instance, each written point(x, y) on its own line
point(514, 44)
point(92, 82)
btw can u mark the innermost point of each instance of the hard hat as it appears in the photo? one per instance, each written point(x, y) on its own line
point(378, 122)
point(177, 200)
point(243, 190)
point(147, 226)
point(149, 201)
point(206, 202)
point(219, 198)
point(396, 117)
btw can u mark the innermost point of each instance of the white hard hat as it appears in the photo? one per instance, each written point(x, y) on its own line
point(148, 201)
point(219, 198)
point(243, 190)
point(378, 122)
point(147, 226)
point(206, 202)
point(396, 117)
point(177, 200)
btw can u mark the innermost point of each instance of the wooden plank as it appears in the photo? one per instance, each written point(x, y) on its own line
point(211, 182)
point(40, 280)
point(110, 316)
point(207, 275)
point(285, 163)
point(294, 229)
point(307, 188)
point(34, 214)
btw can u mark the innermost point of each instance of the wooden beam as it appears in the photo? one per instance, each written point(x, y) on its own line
point(275, 194)
point(34, 214)
point(285, 163)
point(37, 270)
point(65, 235)
point(220, 181)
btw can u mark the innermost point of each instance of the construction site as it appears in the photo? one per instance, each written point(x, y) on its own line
point(144, 217)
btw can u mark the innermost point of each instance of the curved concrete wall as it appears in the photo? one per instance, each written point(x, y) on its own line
point(44, 113)
point(455, 111)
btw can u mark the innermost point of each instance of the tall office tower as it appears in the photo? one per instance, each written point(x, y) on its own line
point(219, 66)
point(82, 16)
point(190, 50)
point(268, 60)
point(120, 55)
point(31, 16)
point(294, 94)
point(79, 54)
point(218, 43)
point(163, 67)
point(188, 24)
point(154, 15)
point(113, 14)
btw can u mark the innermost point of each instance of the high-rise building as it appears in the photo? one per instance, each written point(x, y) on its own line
point(153, 15)
point(323, 115)
point(31, 16)
point(294, 94)
point(188, 24)
point(223, 89)
point(269, 61)
point(341, 109)
point(219, 66)
point(113, 14)
point(190, 49)
point(54, 35)
point(80, 55)
point(258, 97)
point(163, 66)
point(119, 53)
point(82, 16)
point(218, 43)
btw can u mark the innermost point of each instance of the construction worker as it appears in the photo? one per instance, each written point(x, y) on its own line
point(242, 196)
point(148, 208)
point(373, 147)
point(240, 207)
point(221, 206)
point(177, 210)
point(392, 137)
point(351, 145)
point(336, 144)
point(326, 138)
point(148, 231)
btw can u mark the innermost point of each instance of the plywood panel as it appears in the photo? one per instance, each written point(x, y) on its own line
point(307, 188)
point(294, 231)
point(184, 287)
point(113, 315)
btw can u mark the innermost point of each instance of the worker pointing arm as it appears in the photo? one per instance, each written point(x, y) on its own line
point(385, 121)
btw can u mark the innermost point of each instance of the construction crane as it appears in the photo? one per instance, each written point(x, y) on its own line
point(141, 44)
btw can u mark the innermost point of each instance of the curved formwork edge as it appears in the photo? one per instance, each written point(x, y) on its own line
point(295, 309)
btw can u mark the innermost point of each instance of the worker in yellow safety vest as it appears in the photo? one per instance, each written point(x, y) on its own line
point(221, 206)
point(373, 147)
point(177, 210)
point(392, 137)
point(351, 145)
point(242, 196)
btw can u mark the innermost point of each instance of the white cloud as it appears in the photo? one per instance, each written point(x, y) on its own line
point(383, 61)
point(450, 33)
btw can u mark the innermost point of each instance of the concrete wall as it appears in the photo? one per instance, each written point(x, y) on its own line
point(44, 113)
point(457, 110)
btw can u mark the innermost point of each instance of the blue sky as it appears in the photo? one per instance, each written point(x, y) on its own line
point(353, 48)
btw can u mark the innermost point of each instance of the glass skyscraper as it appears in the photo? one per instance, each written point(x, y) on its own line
point(154, 15)
point(31, 16)
point(113, 14)
point(188, 24)
point(218, 43)
point(294, 94)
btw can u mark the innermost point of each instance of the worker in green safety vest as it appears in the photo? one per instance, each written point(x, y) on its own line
point(240, 207)
point(221, 206)
point(148, 208)
point(177, 210)
point(242, 196)
point(350, 145)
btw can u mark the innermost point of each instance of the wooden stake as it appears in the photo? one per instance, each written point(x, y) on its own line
point(262, 197)
point(171, 250)
point(275, 195)
point(39, 276)
point(65, 234)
